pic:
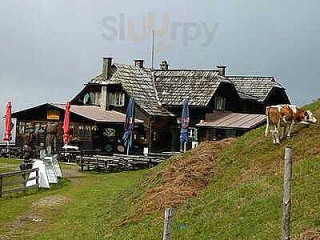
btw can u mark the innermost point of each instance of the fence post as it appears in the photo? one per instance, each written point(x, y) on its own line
point(167, 223)
point(0, 186)
point(37, 178)
point(287, 194)
point(81, 163)
point(24, 183)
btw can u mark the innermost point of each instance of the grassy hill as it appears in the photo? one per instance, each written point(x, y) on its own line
point(243, 199)
point(220, 190)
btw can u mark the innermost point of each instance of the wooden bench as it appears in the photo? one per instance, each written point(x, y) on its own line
point(118, 162)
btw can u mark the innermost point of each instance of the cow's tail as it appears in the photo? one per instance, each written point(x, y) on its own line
point(268, 124)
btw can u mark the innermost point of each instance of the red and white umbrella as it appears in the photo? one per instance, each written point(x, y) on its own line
point(66, 124)
point(8, 124)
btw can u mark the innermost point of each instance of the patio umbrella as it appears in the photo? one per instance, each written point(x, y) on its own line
point(185, 119)
point(8, 124)
point(127, 137)
point(8, 127)
point(66, 125)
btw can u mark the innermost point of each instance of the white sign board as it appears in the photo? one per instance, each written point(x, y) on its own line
point(43, 179)
point(56, 166)
point(50, 170)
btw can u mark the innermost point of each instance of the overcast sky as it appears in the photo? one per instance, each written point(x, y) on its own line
point(49, 48)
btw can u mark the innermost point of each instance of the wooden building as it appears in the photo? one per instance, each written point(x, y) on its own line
point(159, 95)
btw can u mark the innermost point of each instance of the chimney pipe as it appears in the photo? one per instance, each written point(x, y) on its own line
point(106, 68)
point(222, 70)
point(139, 63)
point(164, 65)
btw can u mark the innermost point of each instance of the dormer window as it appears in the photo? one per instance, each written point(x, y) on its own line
point(91, 98)
point(220, 103)
point(117, 99)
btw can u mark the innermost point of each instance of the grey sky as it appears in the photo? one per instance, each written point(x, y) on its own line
point(50, 48)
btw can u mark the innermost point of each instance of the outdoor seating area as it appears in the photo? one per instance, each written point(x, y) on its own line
point(119, 162)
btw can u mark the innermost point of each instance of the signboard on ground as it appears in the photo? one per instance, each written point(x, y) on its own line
point(50, 170)
point(43, 179)
point(56, 166)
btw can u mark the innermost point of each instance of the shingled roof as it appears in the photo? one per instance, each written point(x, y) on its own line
point(172, 87)
point(198, 86)
point(254, 87)
point(137, 82)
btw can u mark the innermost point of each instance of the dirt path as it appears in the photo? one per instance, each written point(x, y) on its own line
point(42, 212)
point(72, 173)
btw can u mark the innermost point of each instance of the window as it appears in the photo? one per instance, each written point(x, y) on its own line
point(116, 99)
point(231, 133)
point(193, 134)
point(91, 98)
point(83, 131)
point(220, 103)
point(22, 128)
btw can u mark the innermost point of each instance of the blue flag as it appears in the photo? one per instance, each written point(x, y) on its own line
point(185, 120)
point(127, 136)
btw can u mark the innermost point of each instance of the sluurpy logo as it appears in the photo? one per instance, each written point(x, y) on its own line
point(168, 34)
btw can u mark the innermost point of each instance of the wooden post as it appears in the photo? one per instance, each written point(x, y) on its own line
point(287, 194)
point(167, 223)
point(0, 186)
point(24, 183)
point(81, 162)
point(37, 178)
point(8, 149)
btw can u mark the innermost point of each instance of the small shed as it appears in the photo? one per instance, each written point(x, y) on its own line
point(221, 125)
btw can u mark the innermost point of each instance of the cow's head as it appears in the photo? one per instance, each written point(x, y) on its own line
point(309, 118)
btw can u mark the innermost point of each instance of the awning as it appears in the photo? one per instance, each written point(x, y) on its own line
point(235, 121)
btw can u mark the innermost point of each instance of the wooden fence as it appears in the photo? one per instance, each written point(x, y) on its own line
point(14, 184)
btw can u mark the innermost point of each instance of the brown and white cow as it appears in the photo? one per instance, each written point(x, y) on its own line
point(284, 115)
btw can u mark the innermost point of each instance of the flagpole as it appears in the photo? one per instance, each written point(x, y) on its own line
point(8, 149)
point(128, 149)
point(129, 144)
point(152, 50)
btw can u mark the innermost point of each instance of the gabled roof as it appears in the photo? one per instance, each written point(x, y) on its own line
point(138, 83)
point(172, 87)
point(254, 87)
point(93, 113)
point(198, 86)
point(96, 114)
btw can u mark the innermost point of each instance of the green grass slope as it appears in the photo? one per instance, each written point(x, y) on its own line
point(244, 198)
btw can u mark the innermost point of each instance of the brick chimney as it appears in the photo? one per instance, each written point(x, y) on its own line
point(222, 70)
point(164, 65)
point(139, 63)
point(106, 67)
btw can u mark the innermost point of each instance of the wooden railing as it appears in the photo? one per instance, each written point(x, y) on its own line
point(24, 177)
